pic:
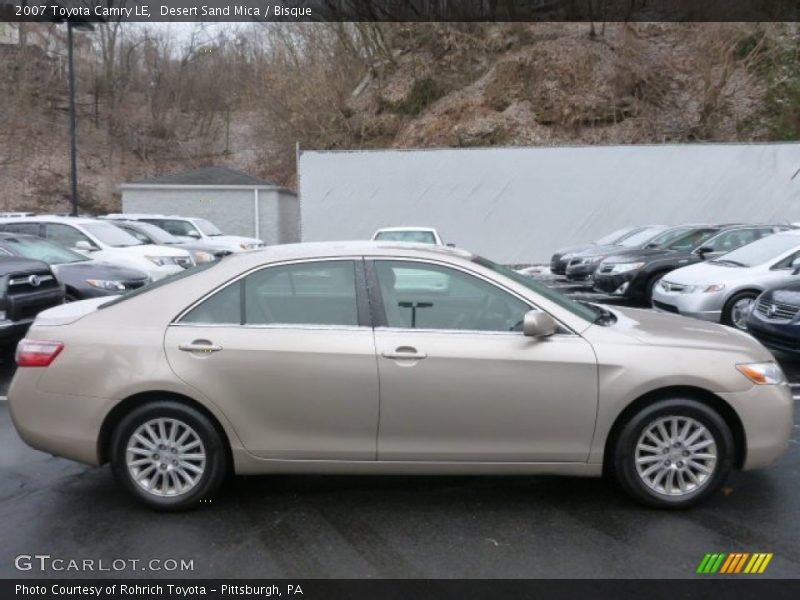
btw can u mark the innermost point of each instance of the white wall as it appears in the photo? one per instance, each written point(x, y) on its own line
point(517, 205)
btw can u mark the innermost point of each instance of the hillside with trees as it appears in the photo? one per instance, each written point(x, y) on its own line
point(152, 100)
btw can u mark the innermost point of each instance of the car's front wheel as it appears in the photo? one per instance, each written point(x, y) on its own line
point(168, 455)
point(738, 308)
point(673, 453)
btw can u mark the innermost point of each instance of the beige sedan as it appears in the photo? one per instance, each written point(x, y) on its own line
point(375, 357)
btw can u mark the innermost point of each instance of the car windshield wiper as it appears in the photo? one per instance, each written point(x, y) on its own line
point(725, 261)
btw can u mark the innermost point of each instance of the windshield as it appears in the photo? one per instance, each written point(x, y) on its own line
point(690, 240)
point(38, 249)
point(420, 237)
point(761, 251)
point(158, 235)
point(207, 227)
point(640, 237)
point(585, 311)
point(111, 235)
point(617, 236)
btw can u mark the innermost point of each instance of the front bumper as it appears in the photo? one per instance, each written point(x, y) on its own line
point(581, 272)
point(157, 273)
point(622, 285)
point(11, 331)
point(779, 337)
point(558, 265)
point(767, 415)
point(707, 307)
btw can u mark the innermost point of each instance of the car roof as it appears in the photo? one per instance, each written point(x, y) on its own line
point(49, 218)
point(349, 248)
point(407, 228)
point(135, 216)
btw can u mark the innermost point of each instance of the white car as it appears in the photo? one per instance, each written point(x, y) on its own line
point(419, 235)
point(103, 242)
point(192, 229)
point(725, 288)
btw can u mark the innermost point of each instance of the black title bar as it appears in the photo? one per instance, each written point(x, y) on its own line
point(399, 10)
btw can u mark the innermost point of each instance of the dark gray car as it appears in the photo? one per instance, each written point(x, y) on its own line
point(82, 277)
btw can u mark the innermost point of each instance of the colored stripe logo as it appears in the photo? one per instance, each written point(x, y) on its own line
point(733, 563)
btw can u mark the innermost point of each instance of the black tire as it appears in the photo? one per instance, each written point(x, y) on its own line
point(727, 311)
point(215, 467)
point(624, 452)
point(650, 287)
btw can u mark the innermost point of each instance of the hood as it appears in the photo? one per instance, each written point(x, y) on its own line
point(64, 314)
point(666, 329)
point(151, 250)
point(785, 293)
point(707, 273)
point(647, 254)
point(95, 269)
point(573, 250)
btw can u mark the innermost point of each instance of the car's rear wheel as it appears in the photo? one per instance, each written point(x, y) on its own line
point(737, 309)
point(168, 455)
point(674, 453)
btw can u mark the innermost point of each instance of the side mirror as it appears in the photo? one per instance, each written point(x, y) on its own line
point(703, 250)
point(85, 246)
point(538, 324)
point(796, 266)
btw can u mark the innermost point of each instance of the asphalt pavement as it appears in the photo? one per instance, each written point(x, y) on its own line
point(357, 527)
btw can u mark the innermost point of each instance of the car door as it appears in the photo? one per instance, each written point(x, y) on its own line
point(460, 382)
point(287, 353)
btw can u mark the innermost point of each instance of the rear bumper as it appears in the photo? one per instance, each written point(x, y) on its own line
point(58, 424)
point(767, 415)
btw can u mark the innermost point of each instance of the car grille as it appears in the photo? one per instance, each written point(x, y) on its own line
point(775, 311)
point(134, 284)
point(184, 261)
point(665, 306)
point(23, 283)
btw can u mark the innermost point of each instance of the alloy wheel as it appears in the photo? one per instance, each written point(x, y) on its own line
point(676, 455)
point(739, 312)
point(165, 457)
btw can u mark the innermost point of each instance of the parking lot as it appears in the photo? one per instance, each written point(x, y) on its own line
point(289, 526)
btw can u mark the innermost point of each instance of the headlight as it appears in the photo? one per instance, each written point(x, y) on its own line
point(592, 260)
point(106, 284)
point(159, 260)
point(203, 257)
point(704, 289)
point(626, 267)
point(766, 373)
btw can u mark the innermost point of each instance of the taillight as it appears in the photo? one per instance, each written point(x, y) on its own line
point(35, 353)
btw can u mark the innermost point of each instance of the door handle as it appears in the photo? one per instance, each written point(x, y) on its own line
point(405, 352)
point(200, 347)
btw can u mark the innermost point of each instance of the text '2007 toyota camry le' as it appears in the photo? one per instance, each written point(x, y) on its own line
point(384, 358)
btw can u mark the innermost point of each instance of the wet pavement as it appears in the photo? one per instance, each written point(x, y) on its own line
point(327, 526)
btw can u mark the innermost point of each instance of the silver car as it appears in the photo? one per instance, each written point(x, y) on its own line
point(723, 290)
point(328, 358)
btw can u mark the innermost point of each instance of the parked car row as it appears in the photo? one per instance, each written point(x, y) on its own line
point(75, 258)
point(743, 275)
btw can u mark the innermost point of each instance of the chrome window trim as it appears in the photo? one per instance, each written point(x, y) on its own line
point(528, 301)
